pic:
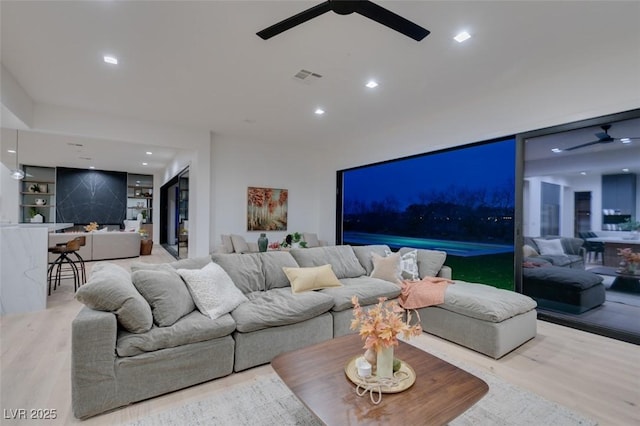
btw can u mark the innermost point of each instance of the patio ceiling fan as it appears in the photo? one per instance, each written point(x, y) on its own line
point(345, 7)
point(603, 137)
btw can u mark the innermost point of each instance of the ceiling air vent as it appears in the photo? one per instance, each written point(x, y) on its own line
point(306, 76)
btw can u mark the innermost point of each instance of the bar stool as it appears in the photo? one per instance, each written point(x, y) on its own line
point(63, 251)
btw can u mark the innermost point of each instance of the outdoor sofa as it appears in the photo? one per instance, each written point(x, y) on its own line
point(140, 334)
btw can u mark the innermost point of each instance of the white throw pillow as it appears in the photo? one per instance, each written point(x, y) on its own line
point(408, 264)
point(549, 247)
point(213, 291)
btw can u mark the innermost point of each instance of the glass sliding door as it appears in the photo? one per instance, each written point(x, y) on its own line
point(581, 183)
point(174, 215)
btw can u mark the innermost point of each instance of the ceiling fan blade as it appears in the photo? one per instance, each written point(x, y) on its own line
point(388, 18)
point(295, 20)
point(602, 136)
point(583, 145)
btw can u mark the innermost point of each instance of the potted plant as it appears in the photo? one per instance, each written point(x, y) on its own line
point(294, 241)
point(633, 226)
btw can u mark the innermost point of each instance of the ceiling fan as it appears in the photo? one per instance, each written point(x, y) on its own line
point(603, 137)
point(345, 7)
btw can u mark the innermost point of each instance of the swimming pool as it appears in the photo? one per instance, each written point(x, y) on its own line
point(454, 248)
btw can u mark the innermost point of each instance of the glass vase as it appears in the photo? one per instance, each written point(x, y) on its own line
point(384, 363)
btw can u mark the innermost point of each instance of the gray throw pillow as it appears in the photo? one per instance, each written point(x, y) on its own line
point(110, 289)
point(165, 292)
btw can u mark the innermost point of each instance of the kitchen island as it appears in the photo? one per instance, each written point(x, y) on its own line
point(611, 246)
point(23, 265)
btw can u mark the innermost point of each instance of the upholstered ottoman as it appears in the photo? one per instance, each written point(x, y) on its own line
point(483, 318)
point(563, 289)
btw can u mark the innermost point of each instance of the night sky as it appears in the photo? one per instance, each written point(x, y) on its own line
point(487, 166)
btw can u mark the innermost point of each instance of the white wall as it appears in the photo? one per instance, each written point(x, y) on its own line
point(238, 164)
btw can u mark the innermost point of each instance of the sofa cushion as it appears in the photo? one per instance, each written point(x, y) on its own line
point(227, 243)
point(363, 253)
point(429, 261)
point(408, 264)
point(244, 269)
point(279, 307)
point(485, 302)
point(110, 289)
point(552, 276)
point(311, 239)
point(368, 290)
point(165, 292)
point(272, 264)
point(192, 328)
point(342, 258)
point(313, 278)
point(386, 267)
point(212, 290)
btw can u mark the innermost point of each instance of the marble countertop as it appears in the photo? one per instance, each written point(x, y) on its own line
point(50, 226)
point(618, 240)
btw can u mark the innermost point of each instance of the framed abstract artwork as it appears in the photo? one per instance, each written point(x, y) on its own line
point(267, 209)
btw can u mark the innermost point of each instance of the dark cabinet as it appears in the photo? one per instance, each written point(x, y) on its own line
point(618, 199)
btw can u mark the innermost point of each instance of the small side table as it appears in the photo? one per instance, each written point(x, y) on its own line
point(145, 247)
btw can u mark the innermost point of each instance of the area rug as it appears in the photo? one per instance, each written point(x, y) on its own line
point(266, 401)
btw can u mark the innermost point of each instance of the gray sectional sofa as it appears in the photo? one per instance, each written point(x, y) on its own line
point(557, 280)
point(122, 354)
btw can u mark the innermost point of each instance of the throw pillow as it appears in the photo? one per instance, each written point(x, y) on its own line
point(550, 247)
point(386, 268)
point(528, 251)
point(239, 244)
point(408, 264)
point(311, 278)
point(429, 261)
point(212, 290)
point(311, 239)
point(110, 289)
point(165, 292)
point(227, 243)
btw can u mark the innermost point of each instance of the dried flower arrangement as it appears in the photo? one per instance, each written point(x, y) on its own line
point(93, 226)
point(381, 325)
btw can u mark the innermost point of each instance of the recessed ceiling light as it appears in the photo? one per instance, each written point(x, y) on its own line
point(111, 60)
point(556, 150)
point(625, 140)
point(137, 181)
point(625, 170)
point(372, 84)
point(11, 151)
point(145, 164)
point(463, 36)
point(319, 111)
point(92, 167)
point(149, 152)
point(583, 173)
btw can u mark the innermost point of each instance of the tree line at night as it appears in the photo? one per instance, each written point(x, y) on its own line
point(457, 213)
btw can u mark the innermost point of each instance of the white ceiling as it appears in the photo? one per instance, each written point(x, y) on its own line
point(199, 64)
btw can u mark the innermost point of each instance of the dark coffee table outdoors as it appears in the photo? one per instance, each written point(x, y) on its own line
point(316, 375)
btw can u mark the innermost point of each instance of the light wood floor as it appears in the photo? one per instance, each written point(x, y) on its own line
point(593, 375)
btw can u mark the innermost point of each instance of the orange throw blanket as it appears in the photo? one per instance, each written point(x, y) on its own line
point(428, 291)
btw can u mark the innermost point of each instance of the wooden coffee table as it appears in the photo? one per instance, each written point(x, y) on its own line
point(315, 374)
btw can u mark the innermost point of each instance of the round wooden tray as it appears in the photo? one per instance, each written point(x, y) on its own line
point(406, 377)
